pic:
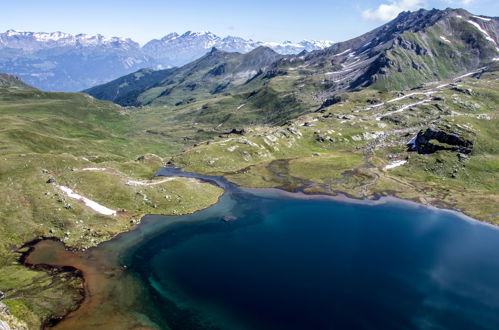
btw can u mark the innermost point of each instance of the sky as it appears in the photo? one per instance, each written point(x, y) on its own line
point(262, 20)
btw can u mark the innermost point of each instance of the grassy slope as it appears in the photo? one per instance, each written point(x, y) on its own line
point(331, 154)
point(55, 135)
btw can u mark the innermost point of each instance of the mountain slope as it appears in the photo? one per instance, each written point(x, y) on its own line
point(212, 74)
point(10, 82)
point(414, 48)
point(435, 145)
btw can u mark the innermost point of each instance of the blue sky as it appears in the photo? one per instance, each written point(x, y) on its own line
point(264, 20)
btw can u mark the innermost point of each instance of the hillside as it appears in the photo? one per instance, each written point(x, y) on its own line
point(10, 82)
point(55, 145)
point(212, 74)
point(436, 145)
point(414, 48)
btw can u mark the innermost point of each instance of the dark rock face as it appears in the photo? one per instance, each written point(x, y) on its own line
point(274, 73)
point(330, 101)
point(217, 71)
point(237, 131)
point(431, 140)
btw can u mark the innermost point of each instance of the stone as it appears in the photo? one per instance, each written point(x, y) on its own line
point(430, 140)
point(330, 101)
point(462, 157)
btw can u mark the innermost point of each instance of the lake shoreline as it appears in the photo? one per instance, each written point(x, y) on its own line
point(80, 271)
point(72, 270)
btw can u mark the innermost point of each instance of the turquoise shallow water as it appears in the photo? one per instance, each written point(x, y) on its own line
point(289, 263)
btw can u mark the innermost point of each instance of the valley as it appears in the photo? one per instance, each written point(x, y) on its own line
point(408, 110)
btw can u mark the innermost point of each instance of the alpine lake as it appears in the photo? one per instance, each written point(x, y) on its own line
point(269, 259)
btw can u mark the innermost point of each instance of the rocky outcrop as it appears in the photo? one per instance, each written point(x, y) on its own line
point(4, 325)
point(274, 73)
point(430, 140)
point(8, 321)
point(330, 101)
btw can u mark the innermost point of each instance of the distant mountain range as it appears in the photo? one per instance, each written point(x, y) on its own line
point(65, 62)
point(176, 49)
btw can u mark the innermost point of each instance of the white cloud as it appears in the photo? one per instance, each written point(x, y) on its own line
point(386, 12)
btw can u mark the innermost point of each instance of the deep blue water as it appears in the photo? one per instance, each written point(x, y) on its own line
point(290, 263)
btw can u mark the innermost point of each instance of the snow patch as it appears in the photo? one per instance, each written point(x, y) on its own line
point(407, 95)
point(344, 52)
point(405, 107)
point(483, 18)
point(94, 169)
point(485, 33)
point(90, 203)
point(445, 39)
point(465, 75)
point(395, 164)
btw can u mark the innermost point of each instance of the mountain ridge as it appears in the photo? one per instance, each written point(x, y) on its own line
point(47, 60)
point(212, 74)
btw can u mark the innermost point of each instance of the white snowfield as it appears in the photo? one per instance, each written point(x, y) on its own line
point(395, 164)
point(90, 203)
point(94, 169)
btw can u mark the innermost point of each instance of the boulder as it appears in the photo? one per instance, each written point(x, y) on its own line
point(430, 140)
point(330, 101)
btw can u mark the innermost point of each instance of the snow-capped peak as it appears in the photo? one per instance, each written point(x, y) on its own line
point(39, 36)
point(318, 43)
point(39, 40)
